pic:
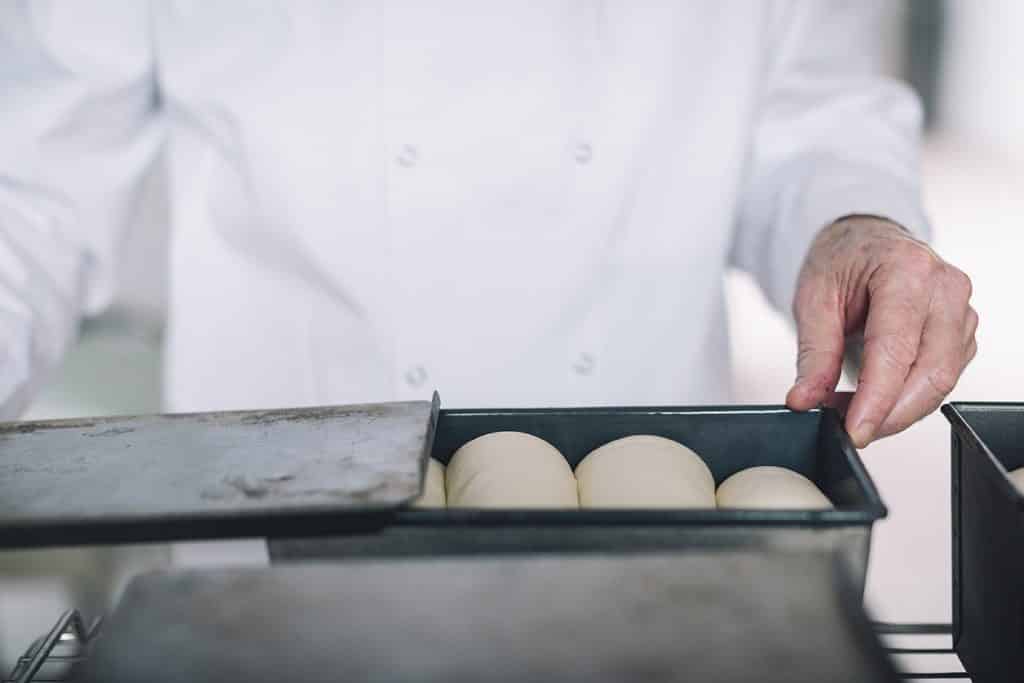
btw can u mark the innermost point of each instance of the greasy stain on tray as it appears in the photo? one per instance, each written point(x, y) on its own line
point(113, 431)
point(255, 488)
point(312, 415)
point(32, 427)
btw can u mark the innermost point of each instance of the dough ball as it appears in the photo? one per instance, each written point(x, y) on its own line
point(1017, 477)
point(644, 472)
point(771, 488)
point(510, 470)
point(433, 487)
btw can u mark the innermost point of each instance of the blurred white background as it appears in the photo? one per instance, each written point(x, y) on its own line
point(966, 60)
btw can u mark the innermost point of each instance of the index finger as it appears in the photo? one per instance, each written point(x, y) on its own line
point(892, 337)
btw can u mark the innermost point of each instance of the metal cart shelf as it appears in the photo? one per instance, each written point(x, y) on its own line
point(923, 652)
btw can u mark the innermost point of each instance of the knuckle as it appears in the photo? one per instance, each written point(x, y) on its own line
point(943, 379)
point(919, 261)
point(959, 282)
point(919, 293)
point(972, 320)
point(912, 283)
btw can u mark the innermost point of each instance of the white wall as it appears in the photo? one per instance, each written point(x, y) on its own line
point(983, 98)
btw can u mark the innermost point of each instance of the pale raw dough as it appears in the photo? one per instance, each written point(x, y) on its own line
point(510, 470)
point(1017, 477)
point(644, 471)
point(433, 487)
point(771, 488)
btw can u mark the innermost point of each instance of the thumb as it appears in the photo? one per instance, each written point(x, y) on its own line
point(819, 361)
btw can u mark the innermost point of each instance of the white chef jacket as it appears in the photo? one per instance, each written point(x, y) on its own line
point(514, 203)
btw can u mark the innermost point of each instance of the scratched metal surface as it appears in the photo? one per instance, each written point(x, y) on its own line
point(718, 616)
point(205, 474)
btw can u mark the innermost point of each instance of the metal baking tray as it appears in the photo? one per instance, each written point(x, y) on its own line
point(210, 475)
point(710, 616)
point(988, 539)
point(728, 438)
point(918, 651)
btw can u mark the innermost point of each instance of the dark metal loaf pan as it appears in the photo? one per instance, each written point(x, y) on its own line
point(988, 539)
point(728, 438)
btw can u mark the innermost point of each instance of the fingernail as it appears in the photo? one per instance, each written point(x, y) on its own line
point(863, 433)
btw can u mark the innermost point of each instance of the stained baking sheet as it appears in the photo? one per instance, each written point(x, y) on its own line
point(714, 616)
point(208, 475)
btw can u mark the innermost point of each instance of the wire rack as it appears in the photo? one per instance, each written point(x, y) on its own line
point(51, 658)
point(921, 652)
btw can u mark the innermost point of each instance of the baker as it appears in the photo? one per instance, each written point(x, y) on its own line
point(519, 205)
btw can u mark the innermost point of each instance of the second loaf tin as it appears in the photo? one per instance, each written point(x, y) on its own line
point(988, 539)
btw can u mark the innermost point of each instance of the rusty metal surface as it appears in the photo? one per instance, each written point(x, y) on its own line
point(206, 474)
point(712, 616)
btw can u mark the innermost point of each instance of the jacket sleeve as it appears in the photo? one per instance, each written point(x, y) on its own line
point(78, 130)
point(831, 137)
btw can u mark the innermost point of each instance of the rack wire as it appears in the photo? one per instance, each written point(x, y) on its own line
point(51, 658)
point(921, 652)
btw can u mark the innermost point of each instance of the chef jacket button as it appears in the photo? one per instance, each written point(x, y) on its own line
point(584, 365)
point(583, 153)
point(415, 376)
point(407, 156)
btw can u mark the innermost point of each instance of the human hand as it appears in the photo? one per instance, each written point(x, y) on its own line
point(866, 274)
